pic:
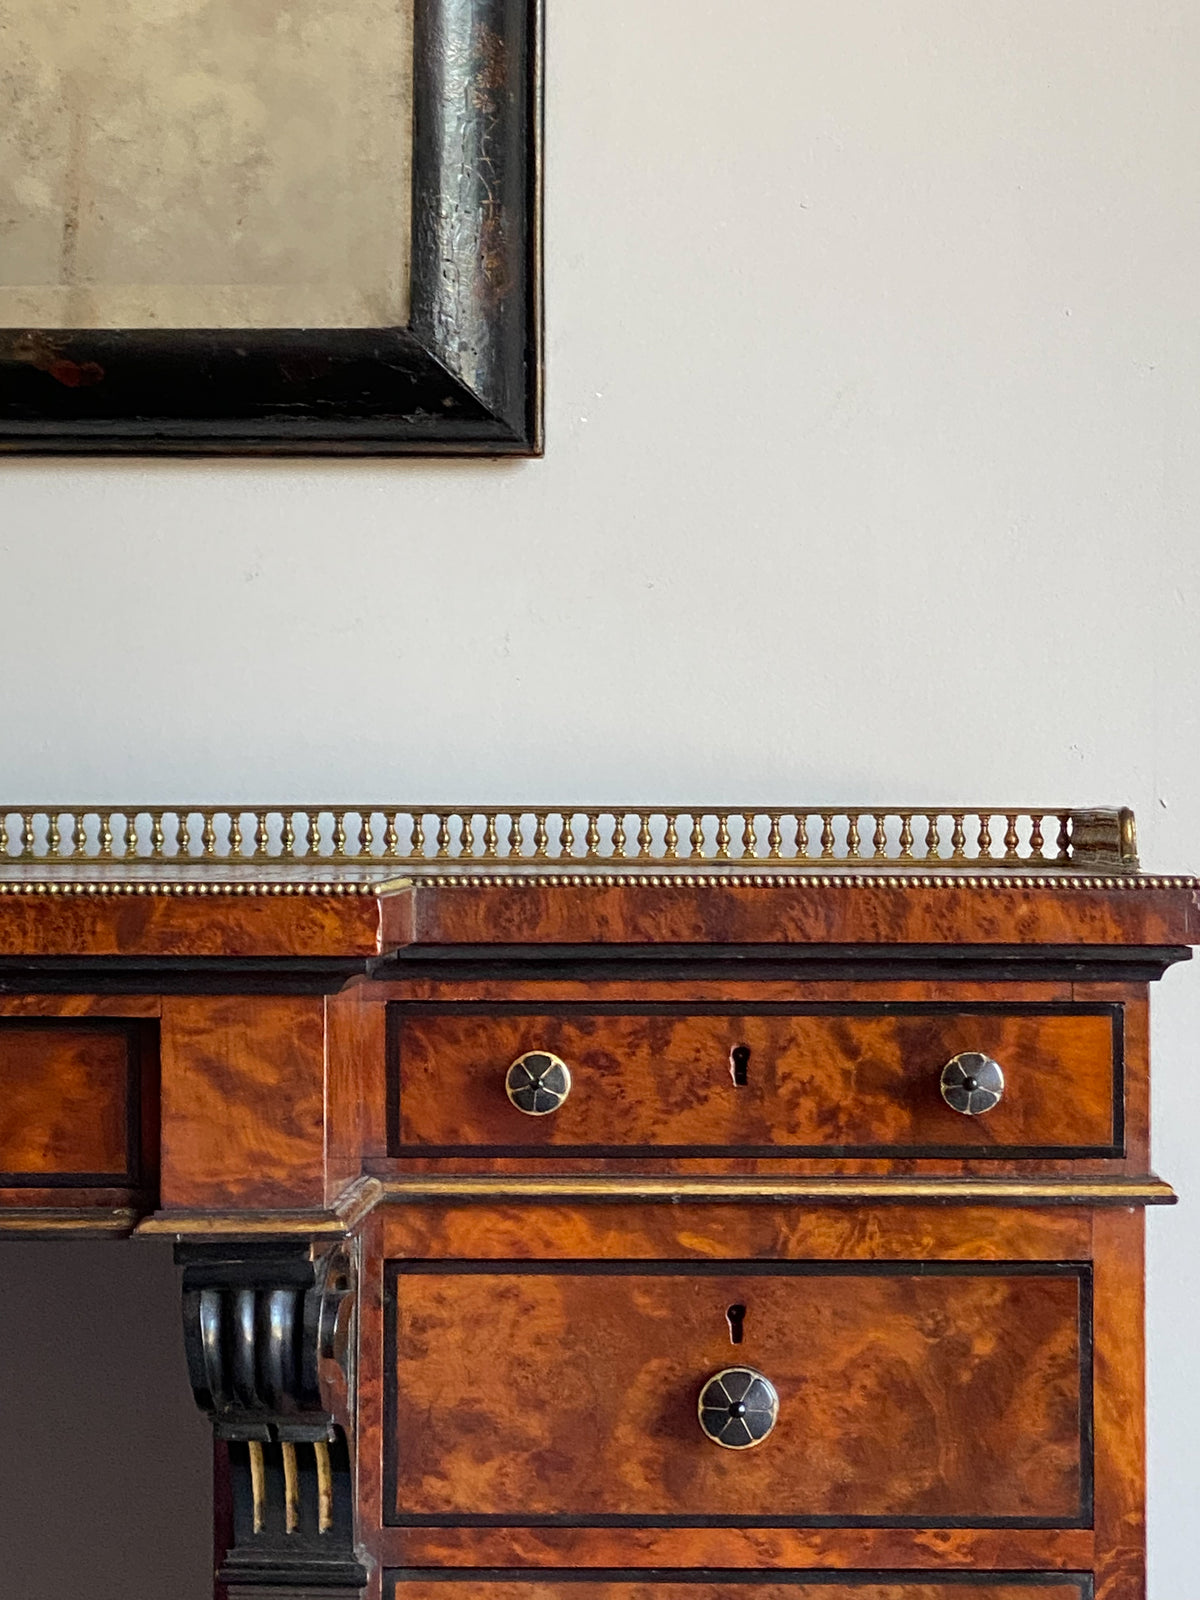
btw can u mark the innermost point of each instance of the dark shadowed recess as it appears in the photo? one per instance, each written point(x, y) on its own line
point(105, 1463)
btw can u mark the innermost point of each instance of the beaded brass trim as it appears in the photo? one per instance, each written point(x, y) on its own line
point(558, 880)
point(235, 838)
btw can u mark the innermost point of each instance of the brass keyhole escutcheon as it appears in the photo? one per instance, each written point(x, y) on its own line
point(538, 1082)
point(738, 1407)
point(972, 1083)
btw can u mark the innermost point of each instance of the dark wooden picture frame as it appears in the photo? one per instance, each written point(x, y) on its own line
point(463, 377)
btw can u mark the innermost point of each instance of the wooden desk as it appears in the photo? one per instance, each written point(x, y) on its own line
point(615, 1220)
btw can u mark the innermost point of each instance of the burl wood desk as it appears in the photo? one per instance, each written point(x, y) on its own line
point(594, 1206)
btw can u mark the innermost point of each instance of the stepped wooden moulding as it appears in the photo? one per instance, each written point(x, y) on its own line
point(494, 1138)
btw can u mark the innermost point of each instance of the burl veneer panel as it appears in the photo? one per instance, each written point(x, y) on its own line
point(206, 923)
point(243, 1083)
point(809, 1587)
point(923, 1392)
point(862, 1078)
point(977, 911)
point(68, 1112)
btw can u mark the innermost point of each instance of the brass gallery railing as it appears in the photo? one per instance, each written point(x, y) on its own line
point(370, 836)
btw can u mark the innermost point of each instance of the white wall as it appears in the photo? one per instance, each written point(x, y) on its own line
point(872, 474)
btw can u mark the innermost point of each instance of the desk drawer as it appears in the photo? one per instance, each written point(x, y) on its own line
point(766, 1081)
point(567, 1393)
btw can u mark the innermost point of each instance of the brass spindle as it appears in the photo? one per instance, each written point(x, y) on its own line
point(906, 835)
point(827, 836)
point(1064, 835)
point(466, 837)
point(566, 838)
point(3, 834)
point(130, 840)
point(28, 837)
point(53, 836)
point(1011, 837)
point(339, 833)
point(258, 1485)
point(443, 834)
point(958, 839)
point(618, 836)
point(696, 839)
point(287, 835)
point(1036, 841)
point(324, 1487)
point(262, 837)
point(491, 837)
point(802, 836)
point(291, 1486)
point(723, 837)
point(774, 837)
point(591, 838)
point(366, 838)
point(312, 835)
point(985, 836)
point(671, 837)
point(645, 838)
point(933, 841)
point(853, 841)
point(879, 837)
point(105, 835)
point(158, 837)
point(391, 844)
point(235, 833)
point(418, 835)
point(183, 837)
point(208, 834)
point(749, 837)
point(541, 836)
point(516, 839)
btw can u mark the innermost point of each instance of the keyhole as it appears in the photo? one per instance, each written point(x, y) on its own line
point(739, 1065)
point(735, 1317)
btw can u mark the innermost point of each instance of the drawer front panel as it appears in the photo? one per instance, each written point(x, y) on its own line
point(910, 1393)
point(69, 1103)
point(745, 1586)
point(814, 1081)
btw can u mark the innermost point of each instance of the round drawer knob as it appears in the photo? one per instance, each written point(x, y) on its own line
point(538, 1083)
point(972, 1083)
point(738, 1408)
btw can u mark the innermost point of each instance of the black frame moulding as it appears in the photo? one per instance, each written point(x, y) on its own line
point(465, 375)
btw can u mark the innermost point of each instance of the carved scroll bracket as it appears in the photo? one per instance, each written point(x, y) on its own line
point(269, 1337)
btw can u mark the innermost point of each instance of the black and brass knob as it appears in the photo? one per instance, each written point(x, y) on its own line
point(738, 1407)
point(972, 1083)
point(538, 1083)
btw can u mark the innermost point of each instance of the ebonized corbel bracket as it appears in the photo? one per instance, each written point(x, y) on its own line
point(268, 1332)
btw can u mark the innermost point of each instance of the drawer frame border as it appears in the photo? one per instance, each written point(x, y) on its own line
point(396, 1268)
point(840, 1578)
point(139, 1053)
point(398, 1150)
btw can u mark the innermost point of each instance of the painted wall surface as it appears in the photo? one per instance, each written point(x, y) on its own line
point(874, 375)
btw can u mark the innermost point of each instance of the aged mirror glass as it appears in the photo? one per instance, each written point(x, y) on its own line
point(256, 224)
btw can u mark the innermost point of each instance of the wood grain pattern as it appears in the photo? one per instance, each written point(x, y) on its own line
point(727, 1232)
point(811, 1587)
point(208, 924)
point(569, 1396)
point(897, 1549)
point(1120, 1362)
point(840, 1081)
point(243, 1087)
point(355, 1085)
point(798, 913)
point(65, 1102)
